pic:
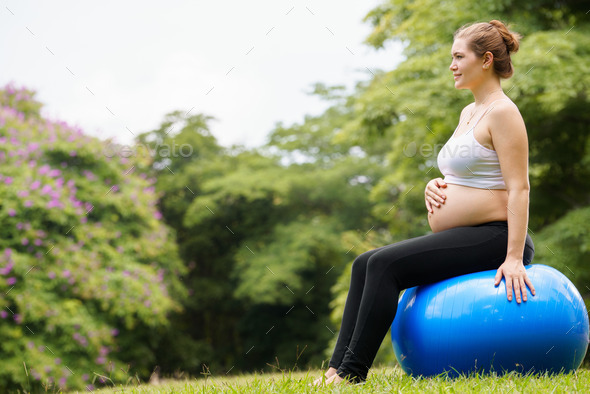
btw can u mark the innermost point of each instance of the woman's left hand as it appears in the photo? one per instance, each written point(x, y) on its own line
point(515, 273)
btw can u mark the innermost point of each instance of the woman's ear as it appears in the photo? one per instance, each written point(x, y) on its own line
point(488, 59)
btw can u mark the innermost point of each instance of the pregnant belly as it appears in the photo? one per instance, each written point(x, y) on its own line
point(468, 206)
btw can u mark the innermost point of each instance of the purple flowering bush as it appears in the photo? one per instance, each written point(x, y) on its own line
point(88, 272)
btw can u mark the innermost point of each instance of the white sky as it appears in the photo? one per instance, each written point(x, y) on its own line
point(142, 59)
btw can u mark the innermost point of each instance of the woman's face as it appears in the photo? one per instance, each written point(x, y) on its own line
point(466, 66)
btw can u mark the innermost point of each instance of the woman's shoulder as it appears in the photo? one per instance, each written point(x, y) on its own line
point(504, 115)
point(503, 107)
point(503, 102)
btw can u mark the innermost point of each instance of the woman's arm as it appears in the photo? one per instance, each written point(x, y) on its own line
point(510, 141)
point(518, 217)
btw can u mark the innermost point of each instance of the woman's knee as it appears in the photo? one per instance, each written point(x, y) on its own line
point(359, 265)
point(378, 263)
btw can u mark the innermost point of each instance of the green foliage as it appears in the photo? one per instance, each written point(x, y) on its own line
point(87, 266)
point(424, 26)
point(555, 112)
point(565, 245)
point(276, 271)
point(261, 230)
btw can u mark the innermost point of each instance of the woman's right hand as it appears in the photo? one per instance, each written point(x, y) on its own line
point(433, 195)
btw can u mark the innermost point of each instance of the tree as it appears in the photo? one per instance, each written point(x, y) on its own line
point(261, 230)
point(89, 274)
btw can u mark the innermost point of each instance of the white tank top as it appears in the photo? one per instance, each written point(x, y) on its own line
point(464, 161)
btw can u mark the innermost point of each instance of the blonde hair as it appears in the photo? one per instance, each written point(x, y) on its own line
point(495, 38)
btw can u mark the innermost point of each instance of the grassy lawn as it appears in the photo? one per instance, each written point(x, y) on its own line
point(381, 380)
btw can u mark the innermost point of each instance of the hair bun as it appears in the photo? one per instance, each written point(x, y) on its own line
point(511, 39)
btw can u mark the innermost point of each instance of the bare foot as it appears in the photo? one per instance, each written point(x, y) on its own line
point(329, 373)
point(335, 379)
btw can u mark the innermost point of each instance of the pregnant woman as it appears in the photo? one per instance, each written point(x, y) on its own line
point(478, 214)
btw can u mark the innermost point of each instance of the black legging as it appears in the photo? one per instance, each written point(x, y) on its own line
point(379, 275)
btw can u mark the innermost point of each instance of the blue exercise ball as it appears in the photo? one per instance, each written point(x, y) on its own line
point(466, 324)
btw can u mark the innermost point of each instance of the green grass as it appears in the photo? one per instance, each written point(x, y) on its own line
point(381, 380)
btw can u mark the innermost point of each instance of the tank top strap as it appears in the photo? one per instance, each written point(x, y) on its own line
point(490, 107)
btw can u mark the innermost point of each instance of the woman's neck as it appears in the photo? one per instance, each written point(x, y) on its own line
point(483, 92)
